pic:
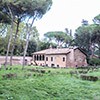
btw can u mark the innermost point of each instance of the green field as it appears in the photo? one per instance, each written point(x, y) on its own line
point(38, 83)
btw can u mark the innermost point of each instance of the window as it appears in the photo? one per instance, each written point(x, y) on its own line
point(51, 58)
point(40, 57)
point(43, 57)
point(47, 65)
point(46, 58)
point(35, 57)
point(25, 61)
point(63, 58)
point(58, 66)
point(52, 65)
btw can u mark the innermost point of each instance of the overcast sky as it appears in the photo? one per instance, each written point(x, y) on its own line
point(68, 14)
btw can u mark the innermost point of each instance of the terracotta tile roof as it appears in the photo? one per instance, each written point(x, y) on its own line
point(54, 51)
point(59, 51)
point(42, 51)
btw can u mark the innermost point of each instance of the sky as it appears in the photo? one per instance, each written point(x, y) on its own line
point(67, 14)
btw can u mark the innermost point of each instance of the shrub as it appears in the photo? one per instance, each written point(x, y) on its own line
point(42, 71)
point(82, 67)
point(89, 78)
point(94, 61)
point(9, 75)
point(84, 72)
point(27, 75)
point(32, 70)
point(73, 72)
point(49, 71)
point(10, 68)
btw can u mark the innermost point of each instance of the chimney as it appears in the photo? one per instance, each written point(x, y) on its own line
point(71, 47)
point(50, 47)
point(59, 47)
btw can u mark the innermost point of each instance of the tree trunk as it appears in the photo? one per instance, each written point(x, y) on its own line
point(8, 48)
point(27, 42)
point(99, 51)
point(14, 43)
point(25, 50)
point(90, 48)
point(9, 43)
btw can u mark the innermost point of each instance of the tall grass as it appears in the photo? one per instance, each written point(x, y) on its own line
point(53, 84)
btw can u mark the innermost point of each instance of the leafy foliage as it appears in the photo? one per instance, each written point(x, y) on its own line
point(31, 48)
point(45, 45)
point(59, 37)
point(97, 19)
point(83, 37)
point(88, 38)
point(94, 61)
point(24, 8)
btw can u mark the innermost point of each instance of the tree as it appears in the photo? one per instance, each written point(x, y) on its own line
point(40, 8)
point(31, 47)
point(9, 9)
point(33, 41)
point(18, 10)
point(96, 19)
point(59, 37)
point(96, 32)
point(5, 19)
point(87, 37)
point(83, 36)
point(10, 38)
point(44, 44)
point(84, 22)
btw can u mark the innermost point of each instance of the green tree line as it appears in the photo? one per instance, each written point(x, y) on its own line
point(21, 38)
point(14, 12)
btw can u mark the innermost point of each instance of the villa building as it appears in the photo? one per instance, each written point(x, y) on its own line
point(60, 57)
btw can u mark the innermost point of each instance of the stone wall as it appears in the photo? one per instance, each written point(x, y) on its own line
point(79, 58)
point(16, 60)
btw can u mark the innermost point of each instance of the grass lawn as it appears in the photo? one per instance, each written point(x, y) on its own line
point(53, 84)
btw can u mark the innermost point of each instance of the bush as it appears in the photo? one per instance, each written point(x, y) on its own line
point(89, 78)
point(32, 70)
point(27, 75)
point(42, 71)
point(94, 61)
point(81, 71)
point(73, 72)
point(49, 71)
point(9, 75)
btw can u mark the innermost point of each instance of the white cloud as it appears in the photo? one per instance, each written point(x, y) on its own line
point(68, 13)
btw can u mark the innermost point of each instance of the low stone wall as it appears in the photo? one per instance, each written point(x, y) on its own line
point(17, 60)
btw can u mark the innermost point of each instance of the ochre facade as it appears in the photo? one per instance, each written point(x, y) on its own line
point(64, 57)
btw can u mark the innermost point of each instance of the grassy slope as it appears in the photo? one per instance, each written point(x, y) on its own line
point(56, 85)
